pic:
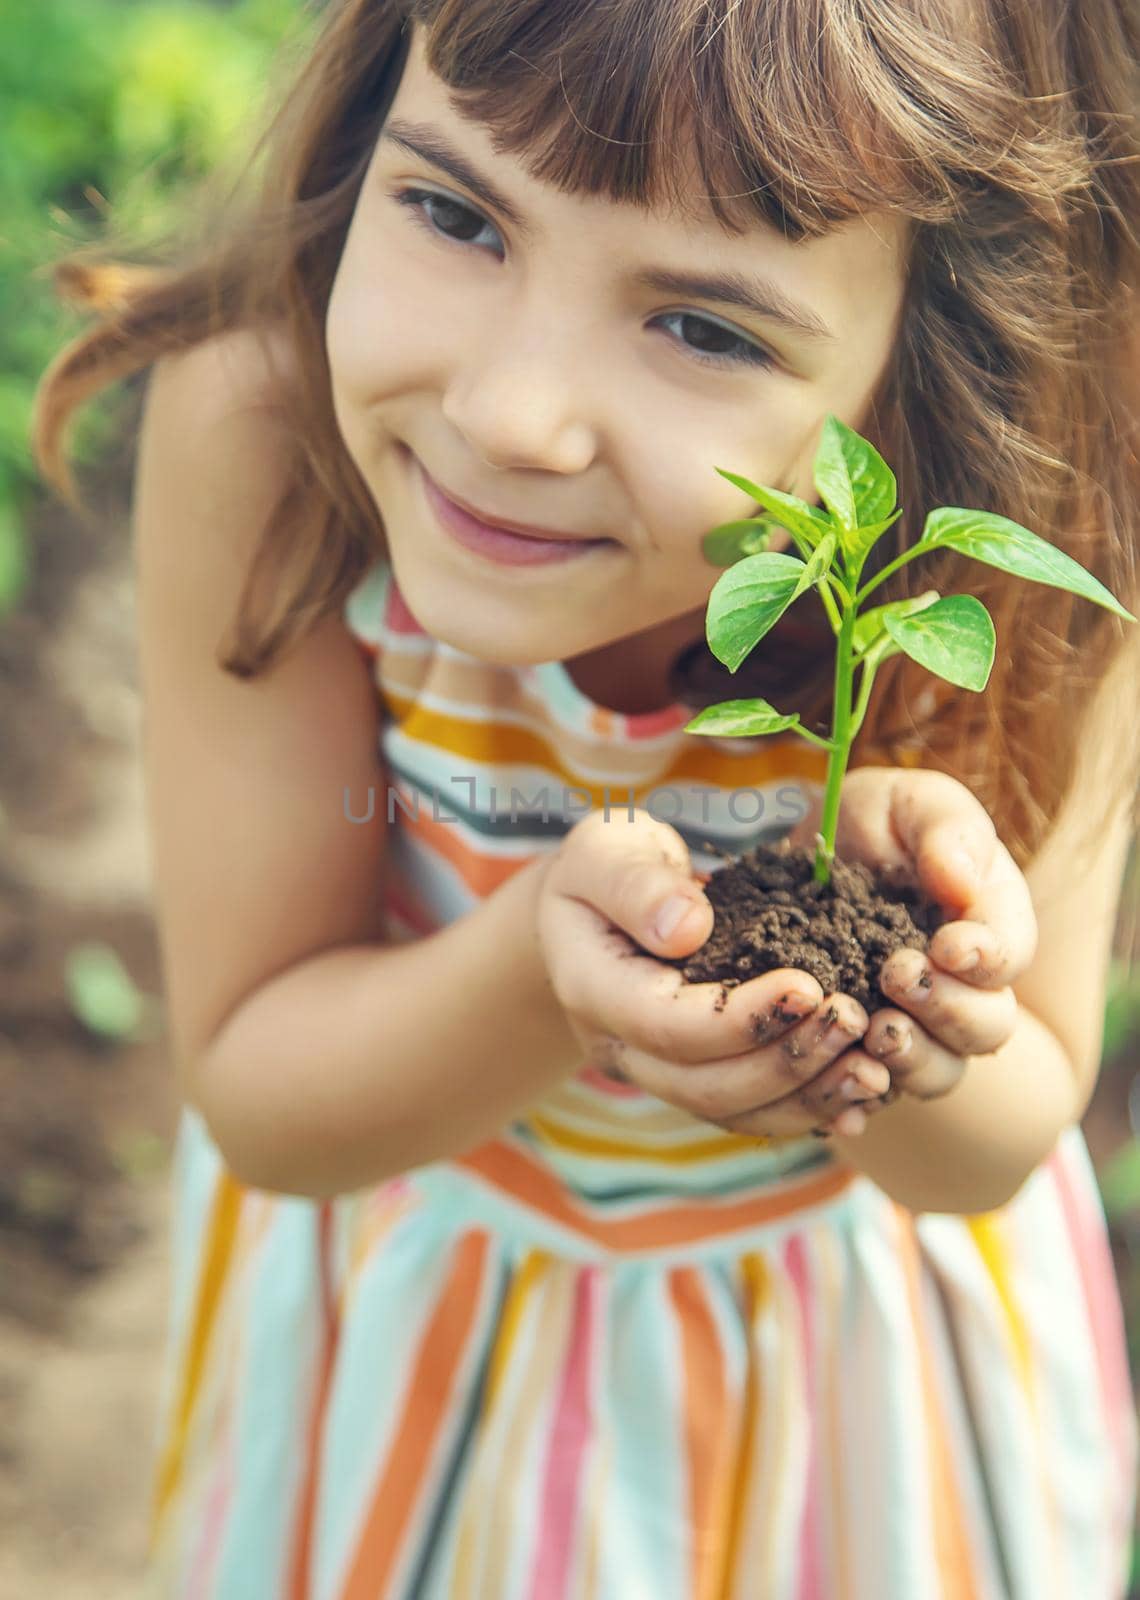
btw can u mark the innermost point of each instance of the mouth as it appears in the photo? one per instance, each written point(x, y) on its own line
point(518, 544)
point(525, 530)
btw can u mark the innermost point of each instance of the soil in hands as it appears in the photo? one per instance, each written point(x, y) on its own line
point(771, 913)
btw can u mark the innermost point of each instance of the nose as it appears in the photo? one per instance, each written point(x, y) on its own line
point(522, 405)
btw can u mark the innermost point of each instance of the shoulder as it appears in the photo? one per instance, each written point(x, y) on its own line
point(254, 867)
point(238, 371)
point(214, 458)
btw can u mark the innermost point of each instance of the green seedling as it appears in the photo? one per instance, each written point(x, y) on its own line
point(952, 636)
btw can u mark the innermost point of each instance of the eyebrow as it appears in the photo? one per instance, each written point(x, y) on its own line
point(759, 296)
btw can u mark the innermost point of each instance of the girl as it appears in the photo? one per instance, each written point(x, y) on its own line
point(505, 1263)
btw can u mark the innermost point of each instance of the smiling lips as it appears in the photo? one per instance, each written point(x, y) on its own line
point(503, 525)
point(524, 546)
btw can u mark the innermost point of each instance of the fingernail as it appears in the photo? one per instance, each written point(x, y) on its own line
point(967, 962)
point(672, 914)
point(851, 1122)
point(873, 1076)
point(920, 988)
point(788, 1008)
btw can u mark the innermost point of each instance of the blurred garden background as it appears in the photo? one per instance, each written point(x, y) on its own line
point(116, 106)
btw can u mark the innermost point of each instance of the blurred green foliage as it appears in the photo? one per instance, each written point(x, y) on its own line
point(107, 104)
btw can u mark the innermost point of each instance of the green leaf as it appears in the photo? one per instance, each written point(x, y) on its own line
point(140, 1154)
point(817, 564)
point(746, 601)
point(15, 555)
point(794, 514)
point(858, 545)
point(1119, 1181)
point(1121, 1007)
point(740, 717)
point(102, 993)
point(854, 482)
point(870, 623)
point(953, 638)
point(734, 540)
point(1007, 545)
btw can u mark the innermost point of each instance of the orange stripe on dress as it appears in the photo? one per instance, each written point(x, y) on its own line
point(480, 872)
point(952, 1547)
point(711, 1424)
point(428, 1402)
point(754, 1291)
point(829, 1288)
point(505, 1167)
point(506, 743)
point(221, 1233)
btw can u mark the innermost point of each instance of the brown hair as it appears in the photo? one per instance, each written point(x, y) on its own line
point(1006, 132)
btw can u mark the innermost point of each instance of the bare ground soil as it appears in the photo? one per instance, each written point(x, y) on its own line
point(86, 1123)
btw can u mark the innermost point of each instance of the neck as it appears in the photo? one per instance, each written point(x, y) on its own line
point(631, 675)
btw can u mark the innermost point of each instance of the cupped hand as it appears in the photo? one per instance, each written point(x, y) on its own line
point(956, 1000)
point(763, 1059)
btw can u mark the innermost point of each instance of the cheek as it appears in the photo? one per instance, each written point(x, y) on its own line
point(366, 346)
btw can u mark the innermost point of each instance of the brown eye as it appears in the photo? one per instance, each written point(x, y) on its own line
point(416, 202)
point(747, 354)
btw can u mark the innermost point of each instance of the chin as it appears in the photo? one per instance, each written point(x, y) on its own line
point(477, 627)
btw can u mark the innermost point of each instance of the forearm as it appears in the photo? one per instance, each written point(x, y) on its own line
point(972, 1149)
point(367, 1061)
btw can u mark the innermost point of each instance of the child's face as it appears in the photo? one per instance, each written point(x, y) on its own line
point(534, 379)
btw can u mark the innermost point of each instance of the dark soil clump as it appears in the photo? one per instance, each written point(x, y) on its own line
point(771, 913)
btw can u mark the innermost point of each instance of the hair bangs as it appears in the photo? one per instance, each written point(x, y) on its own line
point(800, 114)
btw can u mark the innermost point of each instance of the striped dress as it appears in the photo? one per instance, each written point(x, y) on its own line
point(617, 1353)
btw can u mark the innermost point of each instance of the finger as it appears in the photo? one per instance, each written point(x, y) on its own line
point(853, 1078)
point(999, 924)
point(961, 861)
point(625, 992)
point(927, 829)
point(637, 871)
point(736, 1086)
point(932, 824)
point(972, 952)
point(911, 826)
point(853, 1082)
point(919, 1064)
point(946, 832)
point(964, 1019)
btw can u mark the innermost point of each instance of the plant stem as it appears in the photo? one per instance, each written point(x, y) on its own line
point(840, 744)
point(829, 606)
point(866, 680)
point(893, 566)
point(812, 738)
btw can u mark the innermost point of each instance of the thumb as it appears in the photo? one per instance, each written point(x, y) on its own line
point(682, 921)
point(950, 864)
point(636, 871)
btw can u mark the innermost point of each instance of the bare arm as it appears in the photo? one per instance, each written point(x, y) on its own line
point(321, 1056)
point(364, 1062)
point(971, 1150)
